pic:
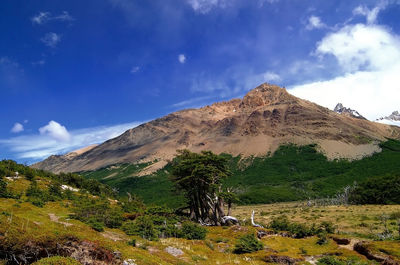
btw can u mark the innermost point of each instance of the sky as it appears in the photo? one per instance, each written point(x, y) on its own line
point(75, 73)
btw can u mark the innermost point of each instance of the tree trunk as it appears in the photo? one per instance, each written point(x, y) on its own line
point(229, 208)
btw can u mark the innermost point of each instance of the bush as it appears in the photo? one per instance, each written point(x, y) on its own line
point(297, 230)
point(96, 225)
point(378, 190)
point(132, 242)
point(193, 231)
point(3, 188)
point(142, 226)
point(322, 238)
point(247, 244)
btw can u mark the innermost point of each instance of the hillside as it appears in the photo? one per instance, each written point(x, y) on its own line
point(267, 117)
point(46, 225)
point(291, 173)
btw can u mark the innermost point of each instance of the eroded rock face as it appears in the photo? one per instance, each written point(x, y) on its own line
point(363, 249)
point(86, 252)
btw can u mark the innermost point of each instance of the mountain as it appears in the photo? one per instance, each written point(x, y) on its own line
point(267, 117)
point(392, 119)
point(347, 111)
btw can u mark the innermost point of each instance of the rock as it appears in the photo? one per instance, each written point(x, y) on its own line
point(282, 259)
point(174, 251)
point(341, 241)
point(129, 262)
point(362, 248)
point(262, 233)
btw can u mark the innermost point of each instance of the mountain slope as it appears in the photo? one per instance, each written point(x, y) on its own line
point(265, 118)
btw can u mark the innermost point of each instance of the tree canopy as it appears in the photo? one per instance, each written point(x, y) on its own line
point(199, 177)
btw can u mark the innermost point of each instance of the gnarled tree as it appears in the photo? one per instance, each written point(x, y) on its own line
point(199, 177)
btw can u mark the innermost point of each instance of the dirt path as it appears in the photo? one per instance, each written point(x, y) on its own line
point(55, 219)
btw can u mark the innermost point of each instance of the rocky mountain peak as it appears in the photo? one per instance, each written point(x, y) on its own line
point(338, 107)
point(347, 111)
point(265, 94)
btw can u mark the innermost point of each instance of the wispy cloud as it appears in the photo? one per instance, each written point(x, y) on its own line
point(193, 102)
point(272, 77)
point(44, 17)
point(39, 146)
point(205, 6)
point(315, 22)
point(11, 73)
point(18, 127)
point(135, 69)
point(39, 63)
point(182, 58)
point(51, 39)
point(370, 14)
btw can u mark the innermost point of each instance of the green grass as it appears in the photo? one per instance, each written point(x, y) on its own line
point(291, 173)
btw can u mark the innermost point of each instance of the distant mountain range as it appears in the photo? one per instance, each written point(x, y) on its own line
point(392, 119)
point(267, 117)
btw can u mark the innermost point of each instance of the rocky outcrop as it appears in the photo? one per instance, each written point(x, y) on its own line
point(347, 111)
point(282, 259)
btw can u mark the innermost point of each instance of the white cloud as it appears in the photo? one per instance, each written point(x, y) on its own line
point(182, 58)
point(40, 146)
point(370, 14)
point(51, 39)
point(205, 6)
point(135, 69)
point(315, 22)
point(271, 77)
point(40, 18)
point(56, 131)
point(44, 17)
point(18, 127)
point(368, 57)
point(361, 47)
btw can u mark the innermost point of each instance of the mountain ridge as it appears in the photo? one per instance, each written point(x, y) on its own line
point(265, 118)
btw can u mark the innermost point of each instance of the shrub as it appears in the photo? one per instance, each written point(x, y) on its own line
point(132, 242)
point(96, 225)
point(297, 230)
point(3, 188)
point(38, 202)
point(330, 260)
point(193, 231)
point(322, 238)
point(377, 190)
point(142, 226)
point(247, 244)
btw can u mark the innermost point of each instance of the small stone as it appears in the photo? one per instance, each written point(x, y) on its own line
point(129, 262)
point(174, 251)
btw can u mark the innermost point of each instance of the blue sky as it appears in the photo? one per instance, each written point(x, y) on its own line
point(74, 73)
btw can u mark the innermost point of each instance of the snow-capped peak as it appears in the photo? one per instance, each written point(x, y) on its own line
point(392, 119)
